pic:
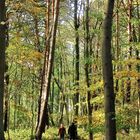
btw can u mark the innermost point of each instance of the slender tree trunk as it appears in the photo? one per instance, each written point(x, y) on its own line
point(61, 97)
point(110, 122)
point(47, 76)
point(138, 69)
point(2, 61)
point(88, 68)
point(138, 111)
point(37, 41)
point(52, 100)
point(32, 107)
point(83, 99)
point(43, 73)
point(128, 88)
point(117, 45)
point(138, 87)
point(76, 25)
point(59, 88)
point(38, 48)
point(6, 102)
point(129, 67)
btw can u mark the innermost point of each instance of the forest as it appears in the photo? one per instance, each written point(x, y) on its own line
point(64, 61)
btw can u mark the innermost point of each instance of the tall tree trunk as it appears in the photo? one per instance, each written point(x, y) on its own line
point(138, 69)
point(138, 84)
point(49, 56)
point(61, 87)
point(110, 122)
point(51, 108)
point(88, 68)
point(2, 61)
point(76, 25)
point(47, 41)
point(117, 45)
point(6, 101)
point(128, 88)
point(32, 106)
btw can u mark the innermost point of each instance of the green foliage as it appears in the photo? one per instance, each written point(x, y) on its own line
point(51, 134)
point(132, 136)
point(19, 134)
point(26, 63)
point(125, 117)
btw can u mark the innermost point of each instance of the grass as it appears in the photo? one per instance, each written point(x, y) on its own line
point(52, 134)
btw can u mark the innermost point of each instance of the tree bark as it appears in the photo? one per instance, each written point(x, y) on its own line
point(6, 96)
point(110, 122)
point(76, 25)
point(138, 84)
point(2, 61)
point(128, 88)
point(88, 68)
point(138, 69)
point(49, 56)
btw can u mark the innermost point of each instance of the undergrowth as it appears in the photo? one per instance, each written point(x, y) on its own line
point(52, 134)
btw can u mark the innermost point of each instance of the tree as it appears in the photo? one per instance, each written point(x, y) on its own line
point(76, 26)
point(2, 62)
point(110, 122)
point(47, 70)
point(6, 79)
point(88, 68)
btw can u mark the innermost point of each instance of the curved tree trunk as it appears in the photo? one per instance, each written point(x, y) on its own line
point(110, 122)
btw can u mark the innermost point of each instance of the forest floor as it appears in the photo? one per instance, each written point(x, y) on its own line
point(52, 134)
